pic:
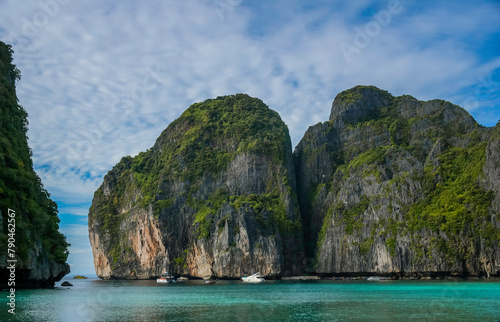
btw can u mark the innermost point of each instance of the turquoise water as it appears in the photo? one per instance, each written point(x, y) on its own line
point(97, 300)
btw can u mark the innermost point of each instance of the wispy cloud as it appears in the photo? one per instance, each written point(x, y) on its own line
point(74, 211)
point(75, 230)
point(92, 98)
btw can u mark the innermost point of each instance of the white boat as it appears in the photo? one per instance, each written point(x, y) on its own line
point(374, 278)
point(255, 278)
point(182, 279)
point(166, 278)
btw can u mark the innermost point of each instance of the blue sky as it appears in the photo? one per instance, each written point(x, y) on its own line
point(101, 80)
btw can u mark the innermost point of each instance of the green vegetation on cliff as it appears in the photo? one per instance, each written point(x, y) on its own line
point(177, 174)
point(387, 182)
point(36, 220)
point(201, 142)
point(270, 211)
point(409, 169)
point(454, 202)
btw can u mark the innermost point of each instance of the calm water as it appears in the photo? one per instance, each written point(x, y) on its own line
point(96, 300)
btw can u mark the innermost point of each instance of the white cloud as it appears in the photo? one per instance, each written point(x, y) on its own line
point(75, 230)
point(81, 211)
point(91, 99)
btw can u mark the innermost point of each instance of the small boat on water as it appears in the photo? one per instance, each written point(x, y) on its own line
point(255, 278)
point(209, 281)
point(166, 278)
point(182, 279)
point(378, 278)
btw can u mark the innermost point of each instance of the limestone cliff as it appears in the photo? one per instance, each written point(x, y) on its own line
point(397, 185)
point(40, 250)
point(213, 197)
point(389, 185)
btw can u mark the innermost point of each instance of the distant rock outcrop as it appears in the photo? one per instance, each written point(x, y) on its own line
point(396, 185)
point(213, 197)
point(26, 211)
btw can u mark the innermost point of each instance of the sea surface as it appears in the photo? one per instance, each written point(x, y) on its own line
point(98, 300)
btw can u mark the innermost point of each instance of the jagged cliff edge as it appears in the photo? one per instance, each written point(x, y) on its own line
point(390, 185)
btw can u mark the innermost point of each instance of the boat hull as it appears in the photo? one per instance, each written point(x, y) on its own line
point(165, 280)
point(256, 280)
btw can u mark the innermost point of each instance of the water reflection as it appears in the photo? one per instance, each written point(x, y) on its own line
point(96, 300)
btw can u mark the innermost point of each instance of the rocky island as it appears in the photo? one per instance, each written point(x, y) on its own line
point(389, 185)
point(215, 196)
point(40, 249)
point(393, 185)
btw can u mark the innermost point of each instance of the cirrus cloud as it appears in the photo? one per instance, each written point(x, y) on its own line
point(101, 80)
